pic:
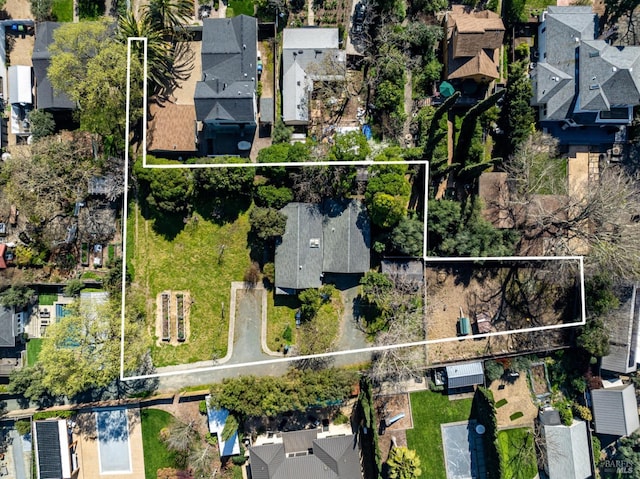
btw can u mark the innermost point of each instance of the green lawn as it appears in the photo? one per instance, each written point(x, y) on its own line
point(156, 454)
point(429, 410)
point(535, 7)
point(203, 258)
point(517, 454)
point(240, 7)
point(62, 10)
point(281, 311)
point(47, 299)
point(33, 350)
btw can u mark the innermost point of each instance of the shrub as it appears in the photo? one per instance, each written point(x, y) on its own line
point(583, 412)
point(271, 196)
point(494, 370)
point(211, 438)
point(269, 272)
point(287, 334)
point(73, 287)
point(51, 414)
point(23, 426)
point(566, 416)
point(202, 407)
point(341, 419)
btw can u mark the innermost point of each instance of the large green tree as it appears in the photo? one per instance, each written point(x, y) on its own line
point(403, 463)
point(90, 66)
point(82, 350)
point(168, 190)
point(407, 237)
point(17, 296)
point(517, 116)
point(267, 223)
point(223, 182)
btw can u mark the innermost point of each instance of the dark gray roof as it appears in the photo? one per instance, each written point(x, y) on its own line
point(615, 410)
point(48, 448)
point(298, 260)
point(229, 59)
point(7, 328)
point(567, 450)
point(266, 110)
point(329, 458)
point(334, 238)
point(234, 104)
point(464, 375)
point(46, 98)
point(347, 237)
point(623, 333)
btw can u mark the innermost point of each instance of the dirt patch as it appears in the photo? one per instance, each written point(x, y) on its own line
point(387, 407)
point(505, 298)
point(539, 379)
point(518, 399)
point(168, 306)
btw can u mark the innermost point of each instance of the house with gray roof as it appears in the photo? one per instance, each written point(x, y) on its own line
point(567, 449)
point(308, 55)
point(622, 325)
point(303, 454)
point(580, 79)
point(55, 451)
point(8, 327)
point(225, 100)
point(334, 237)
point(46, 97)
point(465, 375)
point(615, 410)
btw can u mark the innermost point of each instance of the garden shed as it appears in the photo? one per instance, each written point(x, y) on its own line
point(465, 375)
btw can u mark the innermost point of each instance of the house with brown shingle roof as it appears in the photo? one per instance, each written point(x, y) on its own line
point(473, 44)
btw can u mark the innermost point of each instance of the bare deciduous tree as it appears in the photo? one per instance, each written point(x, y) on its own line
point(599, 218)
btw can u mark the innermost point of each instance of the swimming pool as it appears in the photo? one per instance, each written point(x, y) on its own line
point(114, 451)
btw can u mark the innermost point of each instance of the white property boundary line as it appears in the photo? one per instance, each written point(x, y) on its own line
point(426, 259)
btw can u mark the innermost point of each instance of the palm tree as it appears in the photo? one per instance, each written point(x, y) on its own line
point(160, 53)
point(169, 16)
point(403, 463)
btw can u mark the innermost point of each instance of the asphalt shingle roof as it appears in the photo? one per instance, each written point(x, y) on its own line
point(334, 238)
point(608, 76)
point(229, 59)
point(46, 98)
point(7, 328)
point(330, 458)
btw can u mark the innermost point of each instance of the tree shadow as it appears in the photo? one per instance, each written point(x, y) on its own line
point(167, 225)
point(221, 210)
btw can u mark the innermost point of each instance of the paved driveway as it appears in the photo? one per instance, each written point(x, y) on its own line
point(248, 327)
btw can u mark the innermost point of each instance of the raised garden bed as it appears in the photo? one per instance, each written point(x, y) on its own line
point(538, 380)
point(180, 317)
point(166, 327)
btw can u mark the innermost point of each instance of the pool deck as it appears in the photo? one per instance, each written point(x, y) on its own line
point(89, 454)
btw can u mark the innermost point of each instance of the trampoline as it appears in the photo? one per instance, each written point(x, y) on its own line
point(114, 452)
point(463, 451)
